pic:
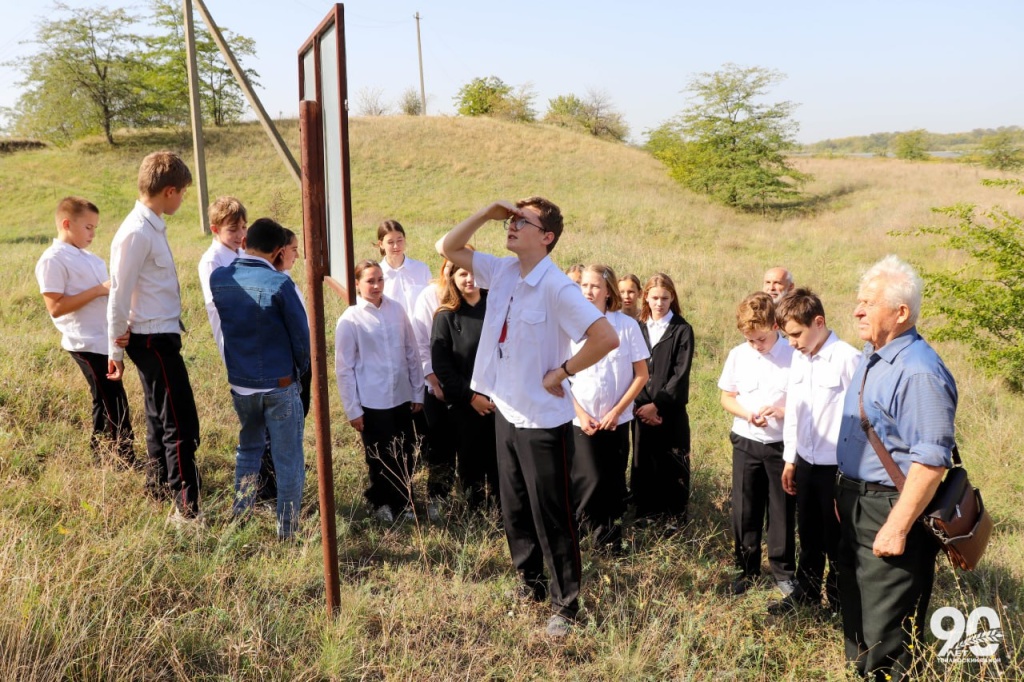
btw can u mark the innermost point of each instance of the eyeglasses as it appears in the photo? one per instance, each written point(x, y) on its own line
point(517, 224)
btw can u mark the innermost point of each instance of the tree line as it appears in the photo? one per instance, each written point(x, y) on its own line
point(98, 69)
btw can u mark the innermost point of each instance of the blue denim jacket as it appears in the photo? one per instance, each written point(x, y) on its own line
point(266, 333)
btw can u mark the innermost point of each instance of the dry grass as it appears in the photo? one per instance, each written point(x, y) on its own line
point(95, 587)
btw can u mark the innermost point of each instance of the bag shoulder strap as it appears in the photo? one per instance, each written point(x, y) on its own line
point(895, 473)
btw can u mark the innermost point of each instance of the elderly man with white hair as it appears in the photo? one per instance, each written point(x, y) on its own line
point(886, 557)
point(778, 282)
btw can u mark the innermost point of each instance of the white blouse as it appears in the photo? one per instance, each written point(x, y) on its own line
point(376, 363)
point(599, 387)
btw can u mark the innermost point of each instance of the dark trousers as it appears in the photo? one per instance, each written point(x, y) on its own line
point(818, 529)
point(477, 463)
point(758, 499)
point(884, 599)
point(536, 508)
point(389, 442)
point(111, 421)
point(599, 481)
point(172, 423)
point(439, 447)
point(660, 475)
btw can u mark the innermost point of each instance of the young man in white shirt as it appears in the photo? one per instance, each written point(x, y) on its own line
point(818, 380)
point(753, 383)
point(145, 296)
point(523, 362)
point(74, 286)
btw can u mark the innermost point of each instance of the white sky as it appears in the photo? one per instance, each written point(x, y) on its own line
point(853, 67)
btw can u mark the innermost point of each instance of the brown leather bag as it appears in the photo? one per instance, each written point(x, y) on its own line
point(956, 516)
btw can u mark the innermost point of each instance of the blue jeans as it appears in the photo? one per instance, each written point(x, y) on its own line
point(279, 413)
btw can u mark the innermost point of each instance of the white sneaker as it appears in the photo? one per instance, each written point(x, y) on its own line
point(181, 522)
point(383, 514)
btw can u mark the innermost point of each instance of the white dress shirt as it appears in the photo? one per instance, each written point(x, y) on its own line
point(758, 380)
point(144, 290)
point(656, 328)
point(814, 401)
point(376, 363)
point(217, 256)
point(404, 283)
point(545, 312)
point(66, 269)
point(601, 386)
point(422, 320)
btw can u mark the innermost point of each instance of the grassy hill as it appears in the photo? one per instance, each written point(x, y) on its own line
point(95, 587)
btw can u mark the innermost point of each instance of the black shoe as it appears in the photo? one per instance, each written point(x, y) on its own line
point(741, 585)
point(788, 604)
point(522, 592)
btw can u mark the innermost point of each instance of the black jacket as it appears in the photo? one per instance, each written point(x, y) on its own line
point(453, 342)
point(668, 385)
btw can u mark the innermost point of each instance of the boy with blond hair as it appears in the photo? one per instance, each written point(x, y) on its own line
point(753, 384)
point(145, 296)
point(74, 285)
point(820, 375)
point(228, 224)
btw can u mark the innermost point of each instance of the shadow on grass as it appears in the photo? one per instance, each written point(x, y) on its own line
point(807, 206)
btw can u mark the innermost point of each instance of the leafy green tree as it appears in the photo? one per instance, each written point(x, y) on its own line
point(482, 96)
point(1002, 151)
point(85, 78)
point(491, 96)
point(166, 78)
point(594, 115)
point(410, 103)
point(982, 303)
point(728, 144)
point(911, 145)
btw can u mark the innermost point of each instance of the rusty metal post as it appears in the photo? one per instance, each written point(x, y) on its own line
point(314, 227)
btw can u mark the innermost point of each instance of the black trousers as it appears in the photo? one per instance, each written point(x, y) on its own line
point(885, 599)
point(111, 421)
point(758, 499)
point(439, 446)
point(818, 529)
point(536, 508)
point(172, 423)
point(660, 475)
point(477, 462)
point(599, 481)
point(389, 442)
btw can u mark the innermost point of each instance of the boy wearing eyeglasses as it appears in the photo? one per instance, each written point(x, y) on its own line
point(524, 361)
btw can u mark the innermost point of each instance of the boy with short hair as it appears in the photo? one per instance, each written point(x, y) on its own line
point(818, 380)
point(74, 285)
point(754, 383)
point(144, 294)
point(266, 349)
point(228, 224)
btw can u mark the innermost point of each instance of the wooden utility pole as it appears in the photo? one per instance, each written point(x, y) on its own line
point(250, 94)
point(419, 48)
point(198, 147)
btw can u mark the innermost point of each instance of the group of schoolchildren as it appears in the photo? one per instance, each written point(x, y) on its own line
point(405, 355)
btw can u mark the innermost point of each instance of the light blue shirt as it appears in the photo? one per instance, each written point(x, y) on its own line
point(910, 400)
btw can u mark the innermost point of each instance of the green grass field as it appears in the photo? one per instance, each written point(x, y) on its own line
point(94, 586)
